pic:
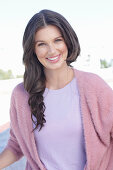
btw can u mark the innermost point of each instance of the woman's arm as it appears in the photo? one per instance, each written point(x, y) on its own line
point(7, 158)
point(12, 151)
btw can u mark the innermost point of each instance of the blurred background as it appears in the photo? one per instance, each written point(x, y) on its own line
point(92, 21)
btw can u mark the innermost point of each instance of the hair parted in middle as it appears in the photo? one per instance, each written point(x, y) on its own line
point(34, 77)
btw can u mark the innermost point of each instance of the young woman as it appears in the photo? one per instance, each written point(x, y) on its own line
point(61, 118)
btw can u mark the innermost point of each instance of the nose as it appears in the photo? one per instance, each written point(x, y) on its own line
point(51, 49)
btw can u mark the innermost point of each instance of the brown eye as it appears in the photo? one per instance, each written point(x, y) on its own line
point(41, 44)
point(57, 40)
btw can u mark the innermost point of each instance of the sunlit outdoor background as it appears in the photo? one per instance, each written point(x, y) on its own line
point(92, 20)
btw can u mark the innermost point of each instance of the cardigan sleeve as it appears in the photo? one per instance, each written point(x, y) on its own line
point(105, 98)
point(14, 146)
point(13, 143)
point(112, 133)
point(99, 97)
point(105, 104)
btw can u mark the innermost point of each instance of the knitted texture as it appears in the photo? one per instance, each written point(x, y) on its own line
point(96, 100)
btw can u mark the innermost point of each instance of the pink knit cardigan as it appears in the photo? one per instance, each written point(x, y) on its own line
point(96, 99)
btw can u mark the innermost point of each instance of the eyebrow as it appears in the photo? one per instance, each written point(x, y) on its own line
point(44, 41)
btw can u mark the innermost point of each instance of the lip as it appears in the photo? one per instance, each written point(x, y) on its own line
point(56, 60)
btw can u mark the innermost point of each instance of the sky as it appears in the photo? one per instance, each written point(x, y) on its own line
point(92, 21)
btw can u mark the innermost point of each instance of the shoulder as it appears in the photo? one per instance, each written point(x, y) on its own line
point(90, 79)
point(19, 92)
point(87, 75)
point(91, 83)
point(19, 88)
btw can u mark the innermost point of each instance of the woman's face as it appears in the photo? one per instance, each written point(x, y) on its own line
point(50, 48)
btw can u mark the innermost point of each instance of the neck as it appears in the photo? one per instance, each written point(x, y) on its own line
point(56, 79)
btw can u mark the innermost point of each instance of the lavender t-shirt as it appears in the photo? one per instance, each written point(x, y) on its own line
point(60, 143)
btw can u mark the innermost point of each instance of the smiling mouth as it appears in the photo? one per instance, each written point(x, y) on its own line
point(54, 59)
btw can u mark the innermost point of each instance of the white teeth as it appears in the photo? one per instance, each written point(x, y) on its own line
point(53, 58)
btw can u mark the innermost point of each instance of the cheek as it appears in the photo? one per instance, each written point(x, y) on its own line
point(64, 49)
point(41, 53)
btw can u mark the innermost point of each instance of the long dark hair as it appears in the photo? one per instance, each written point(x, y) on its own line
point(34, 77)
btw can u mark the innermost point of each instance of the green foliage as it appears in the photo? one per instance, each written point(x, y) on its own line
point(6, 74)
point(19, 76)
point(105, 64)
